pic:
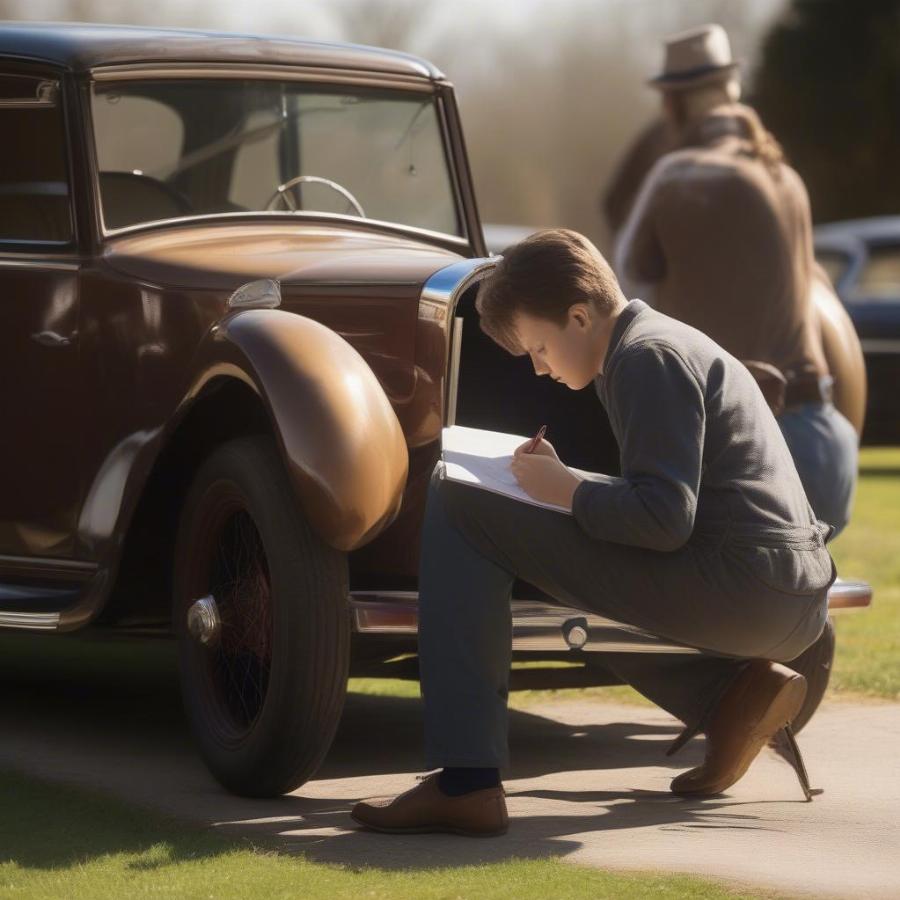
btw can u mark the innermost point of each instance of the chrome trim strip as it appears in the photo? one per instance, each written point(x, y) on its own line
point(453, 378)
point(536, 626)
point(540, 626)
point(75, 567)
point(849, 595)
point(448, 283)
point(38, 264)
point(368, 284)
point(443, 289)
point(29, 621)
point(303, 216)
point(298, 72)
point(27, 104)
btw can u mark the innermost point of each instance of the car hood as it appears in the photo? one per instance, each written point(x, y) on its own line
point(223, 257)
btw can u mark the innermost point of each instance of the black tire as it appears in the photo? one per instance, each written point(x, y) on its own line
point(814, 663)
point(264, 699)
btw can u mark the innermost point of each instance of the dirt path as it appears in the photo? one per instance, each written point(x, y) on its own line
point(589, 785)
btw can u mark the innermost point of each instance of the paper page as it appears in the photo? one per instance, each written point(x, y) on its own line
point(481, 458)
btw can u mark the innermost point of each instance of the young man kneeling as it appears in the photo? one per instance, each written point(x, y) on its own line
point(706, 539)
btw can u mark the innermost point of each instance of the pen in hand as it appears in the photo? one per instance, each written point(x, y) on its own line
point(537, 439)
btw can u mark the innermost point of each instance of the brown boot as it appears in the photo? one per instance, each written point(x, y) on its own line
point(761, 702)
point(426, 808)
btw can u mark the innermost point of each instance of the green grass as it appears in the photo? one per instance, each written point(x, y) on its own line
point(868, 641)
point(519, 697)
point(62, 842)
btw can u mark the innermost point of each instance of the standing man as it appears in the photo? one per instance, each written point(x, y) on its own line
point(721, 236)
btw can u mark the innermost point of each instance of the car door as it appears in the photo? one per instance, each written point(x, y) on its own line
point(39, 384)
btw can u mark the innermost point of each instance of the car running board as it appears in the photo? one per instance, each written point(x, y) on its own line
point(547, 627)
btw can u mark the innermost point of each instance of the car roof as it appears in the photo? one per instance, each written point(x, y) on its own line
point(80, 47)
point(877, 228)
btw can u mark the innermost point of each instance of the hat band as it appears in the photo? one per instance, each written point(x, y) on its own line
point(693, 73)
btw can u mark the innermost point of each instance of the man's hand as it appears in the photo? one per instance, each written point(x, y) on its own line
point(542, 476)
point(544, 448)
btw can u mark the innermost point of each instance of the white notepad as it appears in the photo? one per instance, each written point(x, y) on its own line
point(481, 458)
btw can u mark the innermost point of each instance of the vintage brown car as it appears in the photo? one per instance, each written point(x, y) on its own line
point(235, 273)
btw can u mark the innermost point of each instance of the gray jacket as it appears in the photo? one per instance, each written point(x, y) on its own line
point(704, 463)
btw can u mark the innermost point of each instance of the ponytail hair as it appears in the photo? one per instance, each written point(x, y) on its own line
point(700, 118)
point(764, 146)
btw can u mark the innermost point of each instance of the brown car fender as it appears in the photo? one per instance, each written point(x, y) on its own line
point(843, 351)
point(342, 444)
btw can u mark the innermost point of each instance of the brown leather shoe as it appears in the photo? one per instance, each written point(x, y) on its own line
point(761, 701)
point(426, 808)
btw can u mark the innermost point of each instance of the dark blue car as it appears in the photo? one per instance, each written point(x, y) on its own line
point(862, 257)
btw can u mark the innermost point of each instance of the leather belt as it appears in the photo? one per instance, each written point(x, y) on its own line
point(807, 388)
point(791, 388)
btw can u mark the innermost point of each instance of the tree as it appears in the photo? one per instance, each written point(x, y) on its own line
point(828, 87)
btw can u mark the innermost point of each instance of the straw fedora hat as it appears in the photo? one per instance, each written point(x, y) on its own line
point(695, 57)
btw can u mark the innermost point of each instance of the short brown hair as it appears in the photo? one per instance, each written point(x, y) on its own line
point(543, 275)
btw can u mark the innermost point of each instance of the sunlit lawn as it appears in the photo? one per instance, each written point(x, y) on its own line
point(58, 842)
point(868, 642)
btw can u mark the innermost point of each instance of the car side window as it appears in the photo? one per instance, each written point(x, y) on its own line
point(880, 277)
point(35, 202)
point(834, 263)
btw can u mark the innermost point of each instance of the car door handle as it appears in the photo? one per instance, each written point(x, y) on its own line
point(52, 339)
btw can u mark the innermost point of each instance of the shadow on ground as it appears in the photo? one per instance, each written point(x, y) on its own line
point(108, 715)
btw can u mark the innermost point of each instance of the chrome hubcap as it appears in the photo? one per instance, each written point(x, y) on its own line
point(203, 620)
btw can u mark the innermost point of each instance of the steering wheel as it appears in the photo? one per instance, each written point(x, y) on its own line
point(282, 192)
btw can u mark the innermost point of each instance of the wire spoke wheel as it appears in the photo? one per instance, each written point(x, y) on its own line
point(240, 584)
point(260, 612)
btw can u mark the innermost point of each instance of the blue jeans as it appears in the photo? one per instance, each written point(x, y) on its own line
point(825, 448)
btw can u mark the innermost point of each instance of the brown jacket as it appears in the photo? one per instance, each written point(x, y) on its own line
point(727, 245)
point(619, 195)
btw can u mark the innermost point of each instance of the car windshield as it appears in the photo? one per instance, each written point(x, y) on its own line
point(169, 148)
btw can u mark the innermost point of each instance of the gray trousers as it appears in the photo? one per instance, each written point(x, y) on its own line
point(475, 543)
